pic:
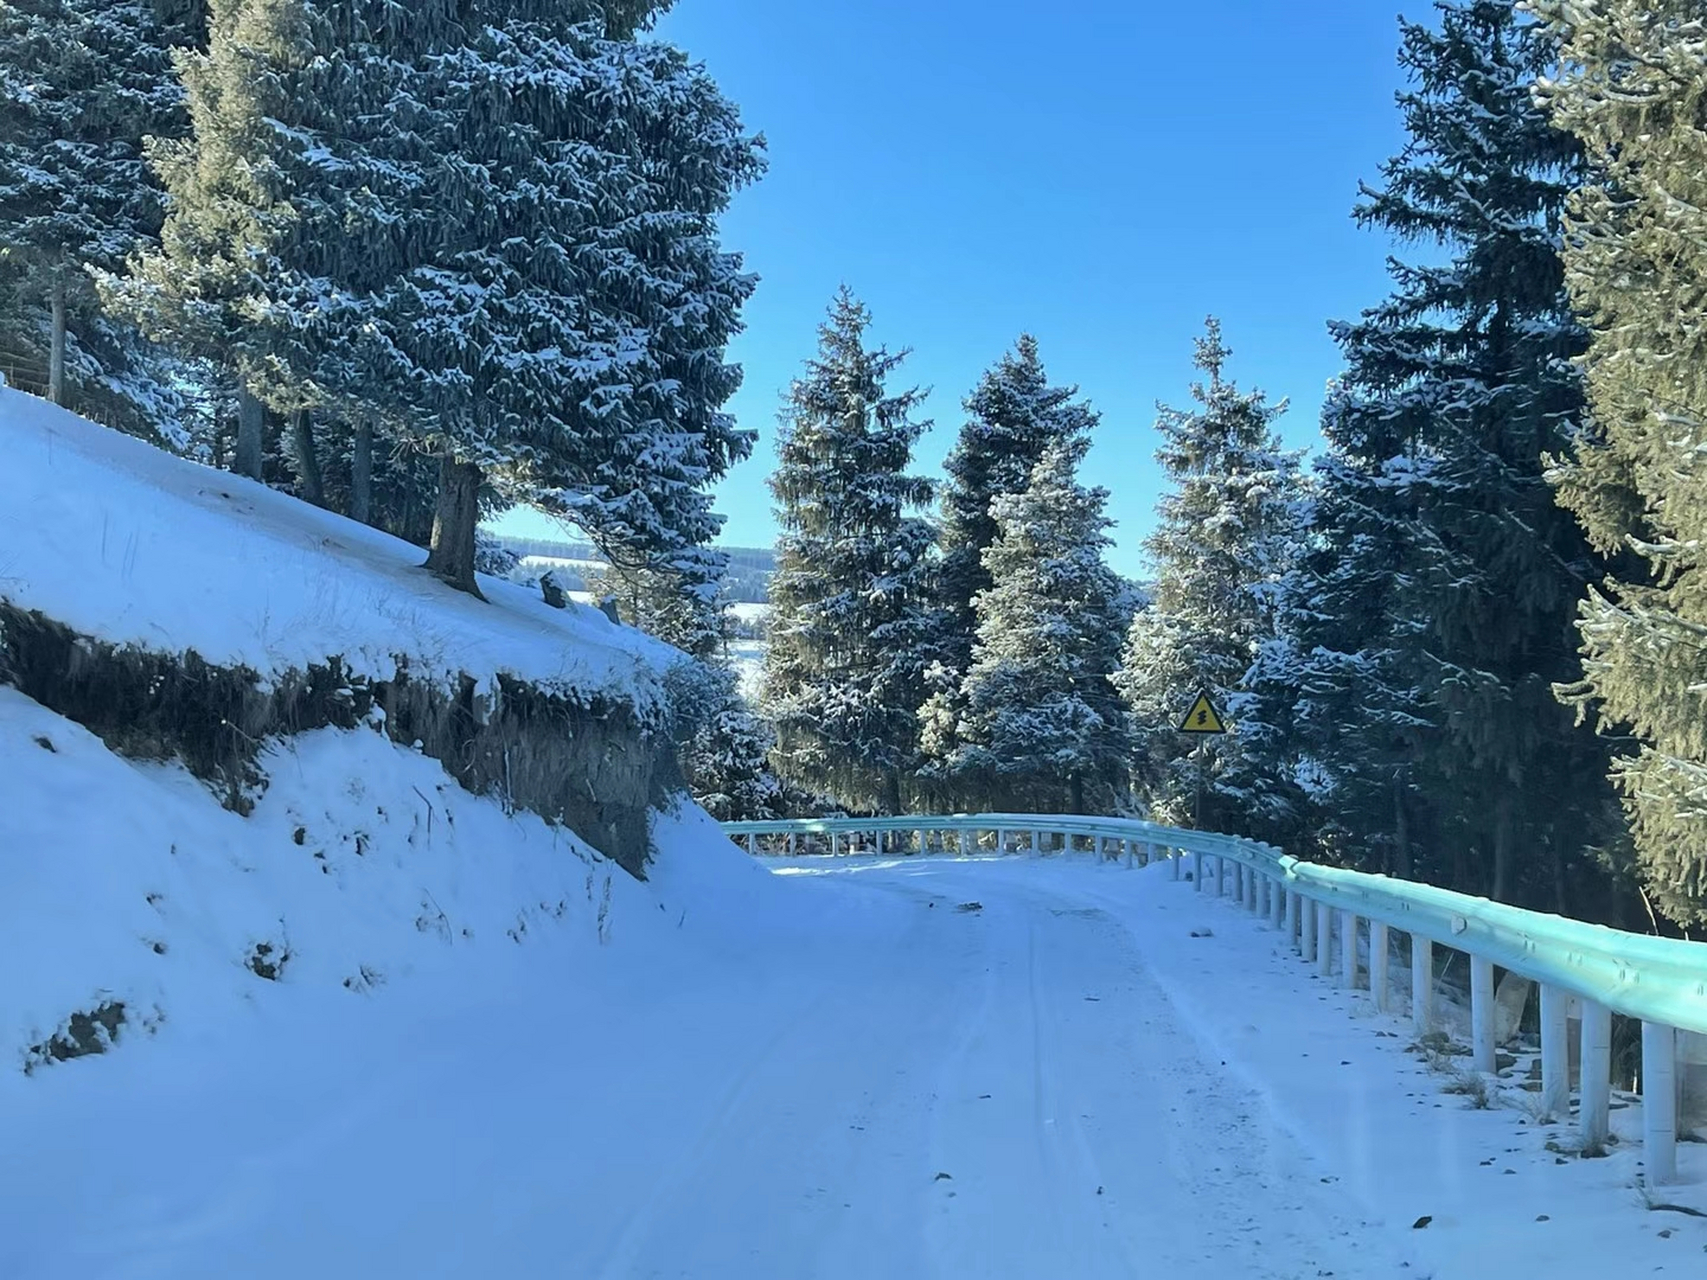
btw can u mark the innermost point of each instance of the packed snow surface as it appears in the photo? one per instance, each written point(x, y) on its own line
point(119, 540)
point(821, 1068)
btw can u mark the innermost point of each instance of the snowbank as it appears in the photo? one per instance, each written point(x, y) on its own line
point(362, 867)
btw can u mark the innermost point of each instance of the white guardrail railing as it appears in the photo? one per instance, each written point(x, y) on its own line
point(1661, 981)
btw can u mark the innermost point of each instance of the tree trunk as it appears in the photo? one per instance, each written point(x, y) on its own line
point(56, 353)
point(307, 461)
point(451, 555)
point(251, 423)
point(892, 792)
point(361, 474)
point(1401, 831)
point(1076, 793)
point(1502, 848)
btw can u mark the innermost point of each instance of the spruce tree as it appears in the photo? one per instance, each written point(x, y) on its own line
point(1458, 385)
point(82, 83)
point(849, 625)
point(1043, 729)
point(1338, 690)
point(1225, 537)
point(725, 759)
point(682, 606)
point(1013, 415)
point(1634, 92)
point(488, 227)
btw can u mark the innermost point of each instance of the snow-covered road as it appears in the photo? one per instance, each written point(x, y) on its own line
point(994, 1092)
point(840, 1074)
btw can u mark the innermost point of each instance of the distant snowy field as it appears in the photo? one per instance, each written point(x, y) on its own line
point(747, 656)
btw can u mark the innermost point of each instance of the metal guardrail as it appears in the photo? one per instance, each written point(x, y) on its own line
point(1661, 981)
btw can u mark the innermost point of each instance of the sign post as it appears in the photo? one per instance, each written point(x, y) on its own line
point(1203, 720)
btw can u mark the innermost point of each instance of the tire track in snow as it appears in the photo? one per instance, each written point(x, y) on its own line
point(1255, 1203)
point(1023, 1052)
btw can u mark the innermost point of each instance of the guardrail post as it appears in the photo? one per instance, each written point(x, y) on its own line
point(1324, 940)
point(1348, 950)
point(1294, 924)
point(1596, 1105)
point(1197, 869)
point(1482, 1014)
point(1306, 929)
point(1277, 900)
point(1422, 984)
point(752, 838)
point(1659, 1103)
point(1253, 890)
point(1036, 843)
point(1001, 840)
point(1555, 1052)
point(1378, 946)
point(924, 842)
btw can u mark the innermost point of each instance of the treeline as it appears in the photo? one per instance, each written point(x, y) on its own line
point(1468, 644)
point(942, 645)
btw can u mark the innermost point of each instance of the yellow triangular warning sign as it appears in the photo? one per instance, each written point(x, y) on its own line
point(1203, 717)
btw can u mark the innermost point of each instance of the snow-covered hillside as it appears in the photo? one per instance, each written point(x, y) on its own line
point(120, 541)
point(195, 614)
point(168, 612)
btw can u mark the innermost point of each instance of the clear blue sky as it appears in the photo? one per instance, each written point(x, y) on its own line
point(1103, 174)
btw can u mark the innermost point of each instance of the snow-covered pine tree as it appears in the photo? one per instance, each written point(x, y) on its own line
point(1633, 91)
point(1458, 385)
point(1043, 729)
point(1339, 686)
point(725, 760)
point(682, 606)
point(332, 238)
point(1225, 536)
point(1013, 416)
point(850, 599)
point(82, 83)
